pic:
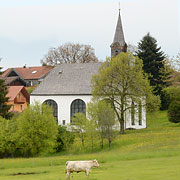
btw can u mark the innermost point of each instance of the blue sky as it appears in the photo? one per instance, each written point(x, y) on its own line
point(30, 27)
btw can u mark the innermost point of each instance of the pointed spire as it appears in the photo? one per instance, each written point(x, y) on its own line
point(119, 35)
point(119, 45)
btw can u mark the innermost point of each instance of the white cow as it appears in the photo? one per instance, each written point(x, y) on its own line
point(80, 166)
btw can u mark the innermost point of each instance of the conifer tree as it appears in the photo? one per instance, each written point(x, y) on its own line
point(153, 64)
point(4, 108)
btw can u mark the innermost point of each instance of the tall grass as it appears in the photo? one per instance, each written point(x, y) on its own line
point(160, 134)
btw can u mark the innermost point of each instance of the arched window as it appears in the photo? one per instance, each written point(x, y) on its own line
point(77, 105)
point(54, 105)
point(140, 113)
point(132, 113)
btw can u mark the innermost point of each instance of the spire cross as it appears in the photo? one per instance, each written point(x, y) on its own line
point(119, 7)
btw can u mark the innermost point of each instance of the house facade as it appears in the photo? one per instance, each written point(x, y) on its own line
point(18, 98)
point(67, 88)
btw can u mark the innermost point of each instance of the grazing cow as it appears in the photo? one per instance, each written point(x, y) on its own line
point(80, 166)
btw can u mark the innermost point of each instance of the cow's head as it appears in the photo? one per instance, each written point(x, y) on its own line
point(95, 163)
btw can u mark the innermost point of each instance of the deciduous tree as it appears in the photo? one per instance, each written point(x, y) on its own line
point(102, 116)
point(37, 130)
point(91, 128)
point(121, 80)
point(79, 122)
point(8, 138)
point(69, 53)
point(65, 138)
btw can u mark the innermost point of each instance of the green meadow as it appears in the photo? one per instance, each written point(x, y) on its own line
point(148, 154)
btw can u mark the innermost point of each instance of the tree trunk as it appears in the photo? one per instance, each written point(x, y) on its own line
point(109, 143)
point(82, 139)
point(102, 144)
point(83, 142)
point(122, 116)
point(121, 127)
point(109, 137)
point(92, 143)
point(120, 121)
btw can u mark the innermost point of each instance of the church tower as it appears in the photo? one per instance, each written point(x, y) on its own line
point(119, 45)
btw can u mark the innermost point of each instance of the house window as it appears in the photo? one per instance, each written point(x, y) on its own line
point(77, 105)
point(132, 113)
point(54, 105)
point(64, 122)
point(140, 113)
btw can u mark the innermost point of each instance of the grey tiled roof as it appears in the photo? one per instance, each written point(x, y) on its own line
point(68, 79)
point(119, 35)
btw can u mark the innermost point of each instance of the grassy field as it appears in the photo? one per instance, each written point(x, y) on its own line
point(149, 154)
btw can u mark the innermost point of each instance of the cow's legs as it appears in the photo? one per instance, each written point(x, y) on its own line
point(87, 173)
point(68, 175)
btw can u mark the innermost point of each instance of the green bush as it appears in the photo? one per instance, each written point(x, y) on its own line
point(36, 130)
point(171, 94)
point(8, 138)
point(32, 132)
point(64, 139)
point(174, 111)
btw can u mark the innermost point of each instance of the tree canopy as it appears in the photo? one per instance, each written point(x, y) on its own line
point(121, 80)
point(69, 53)
point(32, 132)
point(37, 130)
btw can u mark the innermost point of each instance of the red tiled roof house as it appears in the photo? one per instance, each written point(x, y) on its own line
point(30, 75)
point(18, 98)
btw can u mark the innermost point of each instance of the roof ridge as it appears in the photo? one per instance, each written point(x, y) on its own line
point(26, 67)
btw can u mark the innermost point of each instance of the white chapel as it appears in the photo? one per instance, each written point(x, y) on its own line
point(67, 87)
